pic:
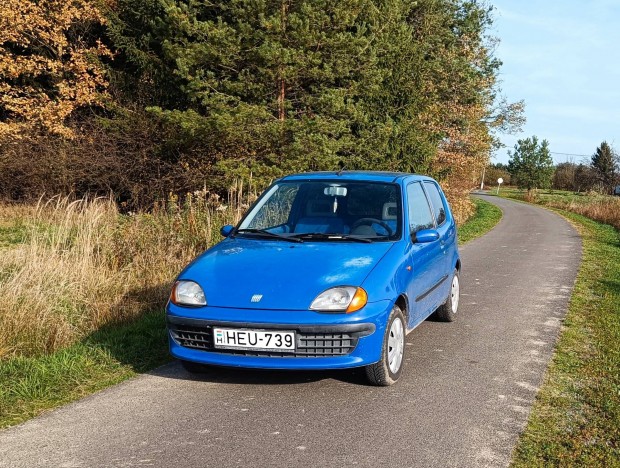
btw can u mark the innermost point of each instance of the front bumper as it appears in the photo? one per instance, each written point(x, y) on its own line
point(364, 329)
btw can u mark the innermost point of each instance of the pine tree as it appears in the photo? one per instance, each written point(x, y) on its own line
point(531, 164)
point(605, 163)
point(271, 86)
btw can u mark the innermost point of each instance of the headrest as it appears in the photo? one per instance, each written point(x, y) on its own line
point(390, 211)
point(323, 208)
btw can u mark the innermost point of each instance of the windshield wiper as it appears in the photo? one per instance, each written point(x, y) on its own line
point(323, 236)
point(264, 233)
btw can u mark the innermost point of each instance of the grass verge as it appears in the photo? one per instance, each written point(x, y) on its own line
point(484, 219)
point(602, 208)
point(575, 420)
point(32, 384)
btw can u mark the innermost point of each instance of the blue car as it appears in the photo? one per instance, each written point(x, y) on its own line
point(325, 271)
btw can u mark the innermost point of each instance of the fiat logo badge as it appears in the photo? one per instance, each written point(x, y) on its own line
point(257, 297)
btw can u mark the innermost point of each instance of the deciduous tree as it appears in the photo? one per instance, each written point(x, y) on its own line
point(494, 172)
point(48, 65)
point(260, 88)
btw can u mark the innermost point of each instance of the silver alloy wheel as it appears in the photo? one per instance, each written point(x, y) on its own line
point(396, 345)
point(454, 293)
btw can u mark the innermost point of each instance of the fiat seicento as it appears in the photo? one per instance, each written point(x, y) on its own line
point(325, 271)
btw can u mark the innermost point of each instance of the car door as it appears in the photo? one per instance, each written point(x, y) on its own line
point(425, 259)
point(447, 235)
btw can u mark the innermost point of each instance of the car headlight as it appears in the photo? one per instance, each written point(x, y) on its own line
point(340, 299)
point(188, 293)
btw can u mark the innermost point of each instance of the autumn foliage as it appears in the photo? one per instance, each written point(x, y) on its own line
point(48, 63)
point(140, 98)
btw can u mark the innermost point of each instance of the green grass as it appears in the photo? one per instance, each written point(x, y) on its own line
point(11, 235)
point(30, 386)
point(486, 217)
point(575, 420)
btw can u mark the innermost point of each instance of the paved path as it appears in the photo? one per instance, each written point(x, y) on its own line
point(464, 396)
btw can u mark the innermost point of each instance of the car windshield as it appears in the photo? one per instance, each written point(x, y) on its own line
point(327, 210)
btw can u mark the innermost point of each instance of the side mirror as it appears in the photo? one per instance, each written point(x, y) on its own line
point(424, 236)
point(226, 230)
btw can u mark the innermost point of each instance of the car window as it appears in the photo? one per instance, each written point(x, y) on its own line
point(369, 200)
point(275, 211)
point(436, 202)
point(420, 216)
point(337, 207)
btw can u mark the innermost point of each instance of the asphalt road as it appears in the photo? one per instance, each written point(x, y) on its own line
point(463, 399)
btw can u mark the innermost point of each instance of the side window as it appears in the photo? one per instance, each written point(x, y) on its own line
point(420, 216)
point(436, 202)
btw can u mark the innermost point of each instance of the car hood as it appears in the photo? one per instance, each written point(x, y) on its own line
point(287, 275)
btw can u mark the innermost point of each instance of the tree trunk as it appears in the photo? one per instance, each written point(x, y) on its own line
point(282, 84)
point(281, 97)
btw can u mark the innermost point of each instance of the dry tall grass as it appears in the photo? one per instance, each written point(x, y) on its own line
point(83, 265)
point(593, 205)
point(603, 209)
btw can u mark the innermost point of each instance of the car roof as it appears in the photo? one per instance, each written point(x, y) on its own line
point(373, 176)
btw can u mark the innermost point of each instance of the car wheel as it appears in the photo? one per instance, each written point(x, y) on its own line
point(388, 369)
point(447, 311)
point(194, 367)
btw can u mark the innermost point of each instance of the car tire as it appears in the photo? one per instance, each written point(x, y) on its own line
point(194, 367)
point(447, 311)
point(387, 371)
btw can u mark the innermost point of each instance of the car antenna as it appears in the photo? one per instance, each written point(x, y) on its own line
point(342, 168)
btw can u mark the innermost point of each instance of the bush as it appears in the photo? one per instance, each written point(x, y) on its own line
point(492, 173)
point(134, 159)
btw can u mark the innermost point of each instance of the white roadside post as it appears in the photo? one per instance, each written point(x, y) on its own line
point(500, 181)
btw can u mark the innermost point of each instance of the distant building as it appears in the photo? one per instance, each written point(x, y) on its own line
point(617, 190)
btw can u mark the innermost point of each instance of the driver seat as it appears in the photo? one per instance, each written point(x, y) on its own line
point(388, 216)
point(320, 217)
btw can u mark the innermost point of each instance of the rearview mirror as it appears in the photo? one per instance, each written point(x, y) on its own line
point(333, 191)
point(424, 236)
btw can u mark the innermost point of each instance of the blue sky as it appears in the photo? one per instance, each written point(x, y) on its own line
point(563, 59)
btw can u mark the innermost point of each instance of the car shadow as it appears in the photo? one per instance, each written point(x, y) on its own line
point(142, 344)
point(243, 376)
point(136, 337)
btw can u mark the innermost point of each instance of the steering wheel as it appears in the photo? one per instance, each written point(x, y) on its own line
point(370, 222)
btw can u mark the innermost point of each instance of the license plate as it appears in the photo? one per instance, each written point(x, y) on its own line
point(231, 338)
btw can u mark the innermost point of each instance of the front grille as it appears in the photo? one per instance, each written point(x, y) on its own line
point(325, 344)
point(308, 345)
point(192, 337)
